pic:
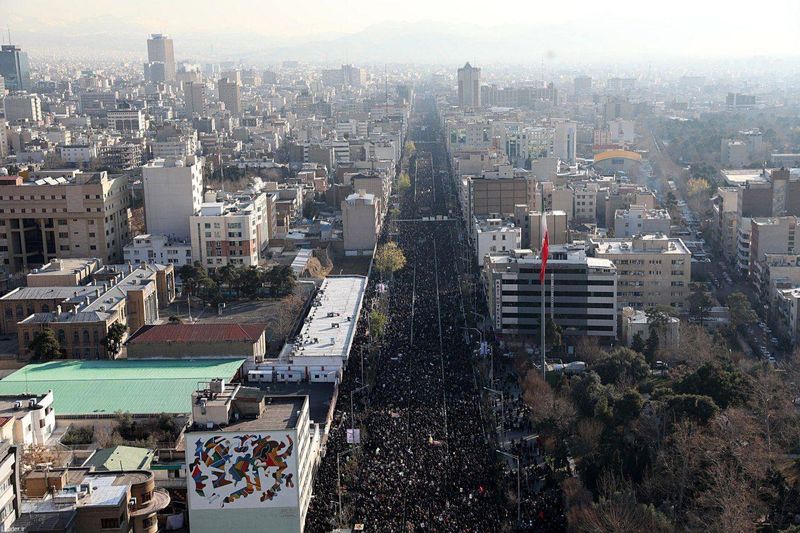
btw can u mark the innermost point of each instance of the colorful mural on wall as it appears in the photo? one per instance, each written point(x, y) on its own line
point(242, 470)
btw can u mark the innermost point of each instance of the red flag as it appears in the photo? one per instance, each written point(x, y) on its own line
point(545, 247)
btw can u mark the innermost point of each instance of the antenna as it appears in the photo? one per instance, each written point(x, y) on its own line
point(386, 87)
point(9, 34)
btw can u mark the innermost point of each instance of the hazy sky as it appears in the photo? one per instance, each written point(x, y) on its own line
point(673, 28)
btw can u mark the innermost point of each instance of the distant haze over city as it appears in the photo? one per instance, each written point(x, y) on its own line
point(413, 31)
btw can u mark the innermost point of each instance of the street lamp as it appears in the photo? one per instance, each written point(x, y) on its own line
point(502, 415)
point(519, 493)
point(339, 479)
point(352, 410)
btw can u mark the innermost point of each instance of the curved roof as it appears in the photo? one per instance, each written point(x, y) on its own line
point(626, 154)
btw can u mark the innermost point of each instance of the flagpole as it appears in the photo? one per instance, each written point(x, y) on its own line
point(544, 369)
point(541, 282)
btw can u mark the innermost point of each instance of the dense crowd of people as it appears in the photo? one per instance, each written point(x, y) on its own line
point(424, 462)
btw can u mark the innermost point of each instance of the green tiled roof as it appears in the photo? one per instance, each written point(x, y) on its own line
point(104, 387)
point(121, 458)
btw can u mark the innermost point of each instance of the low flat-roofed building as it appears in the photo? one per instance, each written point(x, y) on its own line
point(167, 341)
point(322, 348)
point(636, 322)
point(63, 272)
point(268, 440)
point(101, 388)
point(640, 220)
point(80, 500)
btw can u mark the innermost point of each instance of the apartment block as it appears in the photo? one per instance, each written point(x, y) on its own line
point(652, 270)
point(361, 222)
point(74, 215)
point(773, 235)
point(233, 231)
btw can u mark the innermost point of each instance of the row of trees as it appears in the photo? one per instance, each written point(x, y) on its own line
point(247, 281)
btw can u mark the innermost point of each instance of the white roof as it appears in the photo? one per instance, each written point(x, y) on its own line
point(327, 332)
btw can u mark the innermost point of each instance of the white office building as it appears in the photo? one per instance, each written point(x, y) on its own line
point(565, 141)
point(173, 191)
point(493, 236)
point(640, 220)
point(469, 87)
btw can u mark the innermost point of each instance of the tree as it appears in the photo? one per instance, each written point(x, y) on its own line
point(194, 277)
point(719, 380)
point(552, 333)
point(377, 324)
point(45, 345)
point(622, 365)
point(281, 280)
point(699, 303)
point(403, 182)
point(227, 275)
point(651, 347)
point(250, 281)
point(637, 343)
point(389, 258)
point(310, 210)
point(410, 148)
point(113, 339)
point(740, 310)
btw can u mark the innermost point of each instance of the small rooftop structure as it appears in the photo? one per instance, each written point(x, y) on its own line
point(119, 458)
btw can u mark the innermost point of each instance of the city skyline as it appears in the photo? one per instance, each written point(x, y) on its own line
point(441, 31)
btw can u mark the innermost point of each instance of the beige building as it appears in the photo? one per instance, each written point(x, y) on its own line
point(361, 222)
point(25, 301)
point(10, 486)
point(125, 294)
point(63, 272)
point(80, 214)
point(653, 270)
point(774, 235)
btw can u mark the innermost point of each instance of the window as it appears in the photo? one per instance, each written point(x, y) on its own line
point(109, 523)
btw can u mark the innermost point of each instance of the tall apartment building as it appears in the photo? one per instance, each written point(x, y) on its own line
point(361, 221)
point(639, 220)
point(3, 139)
point(469, 87)
point(230, 94)
point(160, 50)
point(194, 98)
point(173, 191)
point(652, 270)
point(10, 497)
point(231, 232)
point(565, 141)
point(774, 235)
point(584, 292)
point(271, 437)
point(23, 108)
point(15, 68)
point(78, 214)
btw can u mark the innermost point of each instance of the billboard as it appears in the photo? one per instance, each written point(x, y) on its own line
point(242, 470)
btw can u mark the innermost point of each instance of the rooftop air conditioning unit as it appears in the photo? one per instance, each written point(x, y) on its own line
point(17, 404)
point(32, 402)
point(217, 385)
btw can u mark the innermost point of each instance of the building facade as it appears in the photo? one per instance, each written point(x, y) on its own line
point(584, 292)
